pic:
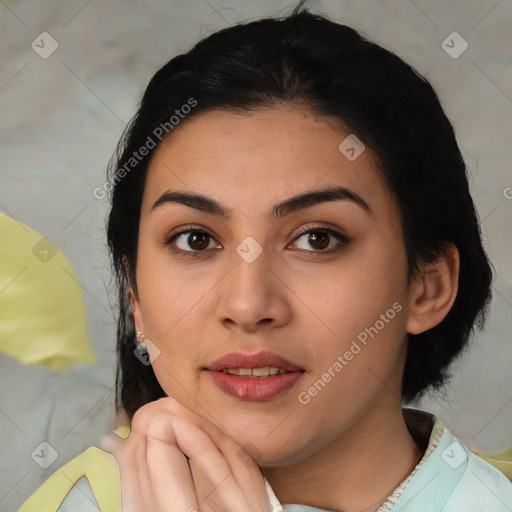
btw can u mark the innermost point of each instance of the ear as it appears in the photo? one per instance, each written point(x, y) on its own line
point(433, 295)
point(133, 298)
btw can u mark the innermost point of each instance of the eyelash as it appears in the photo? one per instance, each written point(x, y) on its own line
point(342, 239)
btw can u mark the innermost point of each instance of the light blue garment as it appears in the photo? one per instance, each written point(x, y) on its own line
point(451, 479)
point(80, 498)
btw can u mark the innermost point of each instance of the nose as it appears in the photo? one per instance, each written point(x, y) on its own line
point(252, 296)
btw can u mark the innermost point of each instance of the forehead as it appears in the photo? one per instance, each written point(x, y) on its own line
point(252, 160)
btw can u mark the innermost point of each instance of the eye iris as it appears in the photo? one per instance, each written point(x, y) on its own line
point(198, 238)
point(315, 236)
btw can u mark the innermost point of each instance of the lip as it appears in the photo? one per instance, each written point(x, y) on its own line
point(255, 389)
point(249, 388)
point(259, 360)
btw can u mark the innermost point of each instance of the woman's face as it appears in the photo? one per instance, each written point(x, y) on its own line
point(252, 281)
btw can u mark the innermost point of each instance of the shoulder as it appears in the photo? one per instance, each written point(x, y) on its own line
point(89, 482)
point(482, 487)
point(452, 478)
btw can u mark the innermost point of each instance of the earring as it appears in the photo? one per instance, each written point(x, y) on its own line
point(139, 341)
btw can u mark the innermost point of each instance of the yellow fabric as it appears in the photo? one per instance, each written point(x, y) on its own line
point(101, 470)
point(43, 319)
point(123, 431)
point(500, 460)
point(98, 466)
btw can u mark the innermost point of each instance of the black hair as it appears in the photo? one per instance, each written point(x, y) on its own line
point(331, 69)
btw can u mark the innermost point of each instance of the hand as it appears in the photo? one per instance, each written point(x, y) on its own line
point(177, 461)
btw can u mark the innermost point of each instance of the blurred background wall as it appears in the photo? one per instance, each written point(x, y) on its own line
point(63, 111)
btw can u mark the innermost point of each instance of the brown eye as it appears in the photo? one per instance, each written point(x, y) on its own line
point(191, 241)
point(198, 240)
point(320, 239)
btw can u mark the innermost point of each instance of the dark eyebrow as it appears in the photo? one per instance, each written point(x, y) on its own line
point(293, 204)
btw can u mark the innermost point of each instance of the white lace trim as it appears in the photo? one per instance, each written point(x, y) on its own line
point(435, 437)
point(276, 506)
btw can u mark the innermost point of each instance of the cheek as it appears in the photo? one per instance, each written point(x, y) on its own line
point(170, 296)
point(173, 299)
point(364, 307)
point(360, 292)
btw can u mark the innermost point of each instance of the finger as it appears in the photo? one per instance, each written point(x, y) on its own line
point(167, 467)
point(247, 473)
point(170, 478)
point(143, 477)
point(151, 479)
point(206, 421)
point(216, 485)
point(141, 483)
point(245, 470)
point(211, 474)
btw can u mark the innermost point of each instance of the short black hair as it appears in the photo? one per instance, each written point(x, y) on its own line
point(310, 61)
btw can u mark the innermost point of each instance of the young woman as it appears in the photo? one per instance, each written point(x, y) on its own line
point(298, 252)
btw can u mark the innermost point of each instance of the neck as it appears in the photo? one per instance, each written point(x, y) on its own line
point(357, 471)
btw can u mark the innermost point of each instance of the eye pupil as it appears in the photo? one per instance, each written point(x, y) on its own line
point(198, 238)
point(315, 236)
